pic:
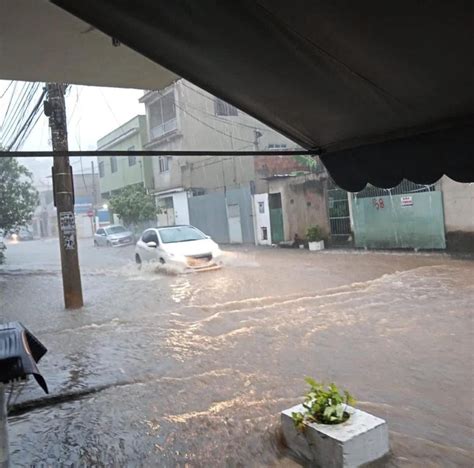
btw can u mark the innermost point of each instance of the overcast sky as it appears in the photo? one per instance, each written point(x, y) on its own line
point(92, 112)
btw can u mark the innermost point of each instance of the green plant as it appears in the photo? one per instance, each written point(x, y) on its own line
point(133, 205)
point(323, 404)
point(314, 234)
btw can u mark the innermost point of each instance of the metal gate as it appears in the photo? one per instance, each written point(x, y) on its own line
point(276, 218)
point(339, 215)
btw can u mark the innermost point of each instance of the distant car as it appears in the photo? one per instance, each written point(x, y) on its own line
point(22, 234)
point(183, 246)
point(113, 236)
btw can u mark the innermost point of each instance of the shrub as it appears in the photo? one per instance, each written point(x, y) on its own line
point(323, 404)
point(314, 234)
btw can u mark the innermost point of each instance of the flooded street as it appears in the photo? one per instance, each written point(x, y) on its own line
point(161, 369)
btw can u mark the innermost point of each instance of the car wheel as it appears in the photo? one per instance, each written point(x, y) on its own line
point(96, 244)
point(109, 244)
point(162, 260)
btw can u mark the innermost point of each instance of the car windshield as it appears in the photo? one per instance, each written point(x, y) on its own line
point(180, 234)
point(115, 230)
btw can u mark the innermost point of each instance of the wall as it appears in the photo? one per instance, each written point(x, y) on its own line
point(198, 128)
point(209, 213)
point(266, 166)
point(458, 200)
point(303, 200)
point(128, 135)
point(262, 220)
point(383, 223)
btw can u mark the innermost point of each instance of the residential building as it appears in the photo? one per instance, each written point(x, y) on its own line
point(213, 193)
point(116, 172)
point(86, 199)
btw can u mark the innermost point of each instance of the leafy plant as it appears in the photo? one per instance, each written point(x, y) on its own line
point(18, 197)
point(314, 234)
point(323, 404)
point(133, 205)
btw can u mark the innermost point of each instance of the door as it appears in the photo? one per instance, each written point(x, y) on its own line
point(235, 227)
point(276, 218)
point(149, 253)
point(166, 211)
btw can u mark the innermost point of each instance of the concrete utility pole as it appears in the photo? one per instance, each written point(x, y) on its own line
point(63, 190)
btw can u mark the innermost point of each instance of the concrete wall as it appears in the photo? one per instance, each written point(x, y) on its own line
point(458, 201)
point(131, 134)
point(303, 201)
point(408, 221)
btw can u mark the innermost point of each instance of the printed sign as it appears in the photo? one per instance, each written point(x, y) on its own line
point(69, 240)
point(67, 225)
point(406, 201)
point(67, 222)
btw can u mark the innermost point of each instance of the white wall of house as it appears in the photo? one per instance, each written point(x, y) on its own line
point(262, 216)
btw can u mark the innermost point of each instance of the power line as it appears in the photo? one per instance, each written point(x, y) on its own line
point(6, 90)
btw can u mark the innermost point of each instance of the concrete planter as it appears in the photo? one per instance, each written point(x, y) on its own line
point(363, 438)
point(314, 246)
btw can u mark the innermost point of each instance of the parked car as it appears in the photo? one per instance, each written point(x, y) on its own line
point(113, 236)
point(22, 234)
point(184, 246)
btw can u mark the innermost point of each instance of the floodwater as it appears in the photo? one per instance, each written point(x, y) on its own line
point(165, 369)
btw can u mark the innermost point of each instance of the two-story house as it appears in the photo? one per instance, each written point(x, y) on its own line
point(116, 172)
point(212, 193)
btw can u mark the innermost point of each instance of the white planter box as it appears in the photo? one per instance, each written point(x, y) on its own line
point(363, 438)
point(313, 246)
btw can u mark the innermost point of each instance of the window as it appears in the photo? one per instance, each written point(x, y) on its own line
point(132, 160)
point(113, 163)
point(162, 116)
point(150, 236)
point(164, 163)
point(101, 169)
point(223, 108)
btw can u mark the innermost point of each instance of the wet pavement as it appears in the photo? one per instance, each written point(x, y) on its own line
point(192, 370)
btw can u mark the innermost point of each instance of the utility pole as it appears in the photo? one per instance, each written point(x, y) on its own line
point(63, 191)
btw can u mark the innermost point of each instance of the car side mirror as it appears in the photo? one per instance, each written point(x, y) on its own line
point(152, 244)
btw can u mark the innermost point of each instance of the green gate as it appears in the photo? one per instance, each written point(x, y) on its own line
point(276, 218)
point(398, 218)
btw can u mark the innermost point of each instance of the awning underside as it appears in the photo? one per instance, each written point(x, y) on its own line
point(360, 80)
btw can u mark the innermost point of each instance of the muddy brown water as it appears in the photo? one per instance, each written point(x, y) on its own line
point(192, 370)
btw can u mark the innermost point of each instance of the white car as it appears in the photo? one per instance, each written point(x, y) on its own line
point(185, 247)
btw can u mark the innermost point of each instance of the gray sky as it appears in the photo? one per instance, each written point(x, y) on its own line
point(92, 112)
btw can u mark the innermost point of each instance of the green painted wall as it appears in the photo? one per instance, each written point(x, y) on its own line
point(131, 134)
point(385, 223)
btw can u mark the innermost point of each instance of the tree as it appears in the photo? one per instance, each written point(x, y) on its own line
point(134, 205)
point(18, 197)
